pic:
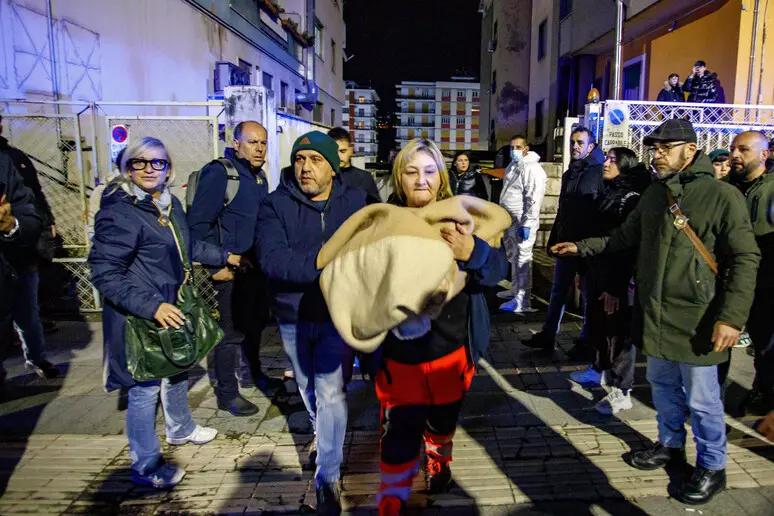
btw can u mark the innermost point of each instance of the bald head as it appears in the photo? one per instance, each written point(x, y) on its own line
point(250, 141)
point(748, 155)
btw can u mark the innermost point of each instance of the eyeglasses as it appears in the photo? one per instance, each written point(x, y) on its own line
point(138, 164)
point(665, 148)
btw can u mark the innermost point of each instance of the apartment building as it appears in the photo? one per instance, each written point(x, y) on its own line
point(447, 112)
point(360, 118)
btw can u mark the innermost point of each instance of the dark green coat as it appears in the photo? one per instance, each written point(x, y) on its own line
point(760, 204)
point(679, 299)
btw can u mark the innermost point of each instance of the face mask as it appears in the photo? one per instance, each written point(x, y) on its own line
point(517, 155)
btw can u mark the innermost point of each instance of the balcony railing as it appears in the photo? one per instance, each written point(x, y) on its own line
point(408, 96)
point(428, 112)
point(416, 124)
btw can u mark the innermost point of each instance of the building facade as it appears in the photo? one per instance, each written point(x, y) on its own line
point(360, 118)
point(447, 112)
point(147, 50)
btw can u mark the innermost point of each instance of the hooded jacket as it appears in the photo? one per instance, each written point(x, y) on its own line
point(290, 232)
point(678, 296)
point(524, 187)
point(701, 89)
point(671, 93)
point(15, 249)
point(581, 185)
point(135, 264)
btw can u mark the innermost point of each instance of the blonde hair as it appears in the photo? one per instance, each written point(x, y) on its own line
point(405, 156)
point(136, 148)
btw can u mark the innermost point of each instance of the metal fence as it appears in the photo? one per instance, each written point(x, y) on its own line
point(715, 124)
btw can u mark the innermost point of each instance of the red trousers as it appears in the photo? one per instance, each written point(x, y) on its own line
point(419, 402)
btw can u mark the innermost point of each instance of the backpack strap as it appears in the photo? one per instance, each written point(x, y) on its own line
point(232, 180)
point(681, 223)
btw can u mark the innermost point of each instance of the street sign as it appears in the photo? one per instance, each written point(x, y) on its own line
point(616, 127)
point(119, 139)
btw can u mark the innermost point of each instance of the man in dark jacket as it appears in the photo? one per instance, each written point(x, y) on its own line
point(26, 311)
point(581, 186)
point(353, 177)
point(20, 227)
point(700, 85)
point(672, 91)
point(294, 222)
point(688, 316)
point(242, 294)
point(749, 152)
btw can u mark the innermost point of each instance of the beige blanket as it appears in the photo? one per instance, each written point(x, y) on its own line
point(388, 264)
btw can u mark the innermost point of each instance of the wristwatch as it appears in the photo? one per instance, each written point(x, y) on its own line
point(13, 230)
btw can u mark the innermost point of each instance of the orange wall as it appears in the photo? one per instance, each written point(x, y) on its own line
point(715, 38)
point(743, 69)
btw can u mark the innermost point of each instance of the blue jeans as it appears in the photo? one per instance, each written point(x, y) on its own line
point(675, 385)
point(26, 316)
point(564, 276)
point(317, 354)
point(144, 447)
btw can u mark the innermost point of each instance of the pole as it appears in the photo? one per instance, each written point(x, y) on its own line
point(618, 49)
point(751, 75)
point(52, 52)
point(763, 53)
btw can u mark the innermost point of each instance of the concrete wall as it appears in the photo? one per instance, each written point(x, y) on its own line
point(329, 68)
point(542, 76)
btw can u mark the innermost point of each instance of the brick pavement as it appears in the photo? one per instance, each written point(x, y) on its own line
point(529, 443)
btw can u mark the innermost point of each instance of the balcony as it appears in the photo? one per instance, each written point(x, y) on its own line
point(415, 124)
point(363, 102)
point(428, 112)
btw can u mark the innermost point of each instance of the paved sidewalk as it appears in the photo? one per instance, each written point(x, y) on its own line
point(529, 442)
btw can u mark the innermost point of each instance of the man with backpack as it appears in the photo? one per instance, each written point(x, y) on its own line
point(223, 200)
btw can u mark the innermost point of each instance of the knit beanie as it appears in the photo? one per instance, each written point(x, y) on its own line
point(321, 143)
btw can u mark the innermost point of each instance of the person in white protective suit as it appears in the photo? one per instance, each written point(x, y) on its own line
point(524, 186)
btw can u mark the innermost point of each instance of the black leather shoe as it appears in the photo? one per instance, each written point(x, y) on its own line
point(540, 341)
point(440, 477)
point(658, 456)
point(329, 500)
point(702, 486)
point(238, 406)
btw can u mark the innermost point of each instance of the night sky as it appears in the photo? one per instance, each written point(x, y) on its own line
point(410, 40)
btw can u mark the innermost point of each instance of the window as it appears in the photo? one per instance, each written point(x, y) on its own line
point(405, 107)
point(318, 39)
point(317, 114)
point(460, 120)
point(475, 94)
point(361, 125)
point(542, 39)
point(361, 100)
point(283, 95)
point(539, 120)
point(494, 81)
point(445, 120)
point(411, 120)
point(268, 81)
point(247, 68)
point(446, 93)
point(565, 8)
point(361, 112)
point(333, 117)
point(461, 94)
point(333, 56)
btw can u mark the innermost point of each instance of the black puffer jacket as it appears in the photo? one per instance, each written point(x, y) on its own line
point(671, 93)
point(469, 183)
point(581, 186)
point(611, 272)
point(701, 89)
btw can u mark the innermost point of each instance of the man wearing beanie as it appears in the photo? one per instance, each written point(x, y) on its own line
point(294, 222)
point(697, 263)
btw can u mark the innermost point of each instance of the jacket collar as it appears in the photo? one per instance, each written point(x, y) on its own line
point(242, 165)
point(595, 157)
point(4, 145)
point(700, 168)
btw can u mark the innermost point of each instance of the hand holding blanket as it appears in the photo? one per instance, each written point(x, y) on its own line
point(388, 264)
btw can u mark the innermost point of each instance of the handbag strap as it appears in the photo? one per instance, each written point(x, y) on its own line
point(681, 223)
point(179, 243)
point(166, 347)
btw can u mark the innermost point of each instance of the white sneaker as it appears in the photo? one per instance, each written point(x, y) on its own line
point(200, 435)
point(165, 477)
point(615, 402)
point(505, 294)
point(512, 306)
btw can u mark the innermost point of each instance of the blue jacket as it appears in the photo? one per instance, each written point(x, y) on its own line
point(290, 232)
point(486, 268)
point(135, 264)
point(207, 216)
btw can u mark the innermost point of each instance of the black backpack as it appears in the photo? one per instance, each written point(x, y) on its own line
point(232, 184)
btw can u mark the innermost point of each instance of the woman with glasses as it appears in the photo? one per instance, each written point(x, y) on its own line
point(608, 313)
point(428, 365)
point(137, 265)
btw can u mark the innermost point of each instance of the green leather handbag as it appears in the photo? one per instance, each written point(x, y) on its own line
point(153, 352)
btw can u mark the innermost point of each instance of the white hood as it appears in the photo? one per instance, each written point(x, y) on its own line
point(532, 157)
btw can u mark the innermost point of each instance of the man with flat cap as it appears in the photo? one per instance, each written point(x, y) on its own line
point(696, 270)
